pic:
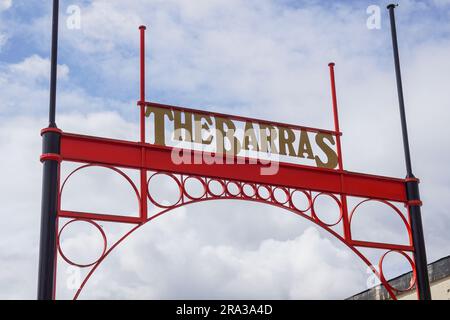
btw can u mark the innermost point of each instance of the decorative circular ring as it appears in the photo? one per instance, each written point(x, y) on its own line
point(411, 263)
point(315, 216)
point(105, 243)
point(252, 190)
point(308, 196)
point(203, 183)
point(209, 189)
point(237, 184)
point(396, 210)
point(268, 189)
point(177, 182)
point(286, 192)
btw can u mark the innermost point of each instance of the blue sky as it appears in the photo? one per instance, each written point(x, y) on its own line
point(28, 30)
point(261, 58)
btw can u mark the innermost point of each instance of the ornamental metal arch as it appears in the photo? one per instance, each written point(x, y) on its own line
point(236, 190)
point(237, 178)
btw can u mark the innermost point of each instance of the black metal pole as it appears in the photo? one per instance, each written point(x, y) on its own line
point(412, 183)
point(50, 182)
point(54, 64)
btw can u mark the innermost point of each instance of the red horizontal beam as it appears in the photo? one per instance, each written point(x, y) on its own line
point(127, 154)
point(99, 217)
point(381, 245)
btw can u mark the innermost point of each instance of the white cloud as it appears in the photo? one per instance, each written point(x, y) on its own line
point(441, 3)
point(37, 68)
point(3, 39)
point(181, 262)
point(5, 5)
point(29, 80)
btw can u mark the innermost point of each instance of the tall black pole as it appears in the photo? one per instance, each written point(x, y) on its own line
point(412, 183)
point(50, 182)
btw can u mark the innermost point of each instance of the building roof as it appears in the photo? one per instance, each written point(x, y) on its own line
point(437, 270)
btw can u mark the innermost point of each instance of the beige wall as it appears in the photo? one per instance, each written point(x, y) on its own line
point(440, 290)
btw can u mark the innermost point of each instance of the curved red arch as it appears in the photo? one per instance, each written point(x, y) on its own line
point(388, 288)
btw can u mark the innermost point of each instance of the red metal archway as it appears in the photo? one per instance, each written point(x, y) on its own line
point(238, 179)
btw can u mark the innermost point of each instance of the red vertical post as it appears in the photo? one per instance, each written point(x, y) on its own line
point(346, 226)
point(55, 275)
point(142, 98)
point(58, 205)
point(143, 204)
point(335, 114)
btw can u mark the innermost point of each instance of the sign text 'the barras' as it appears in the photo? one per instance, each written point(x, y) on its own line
point(204, 129)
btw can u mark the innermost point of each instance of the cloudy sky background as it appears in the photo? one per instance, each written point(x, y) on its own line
point(260, 58)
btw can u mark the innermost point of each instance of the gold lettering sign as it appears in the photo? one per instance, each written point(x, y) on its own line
point(222, 135)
